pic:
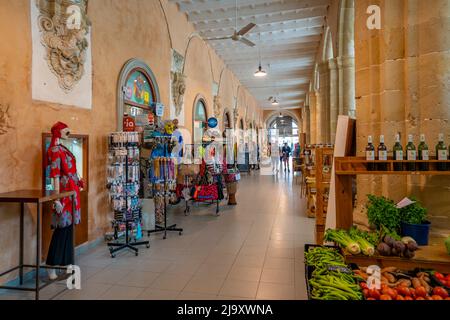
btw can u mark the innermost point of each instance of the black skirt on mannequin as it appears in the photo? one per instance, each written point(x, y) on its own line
point(61, 251)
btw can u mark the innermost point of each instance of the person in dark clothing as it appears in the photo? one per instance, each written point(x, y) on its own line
point(286, 153)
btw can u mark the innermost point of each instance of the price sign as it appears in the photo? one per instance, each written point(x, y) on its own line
point(374, 281)
point(340, 269)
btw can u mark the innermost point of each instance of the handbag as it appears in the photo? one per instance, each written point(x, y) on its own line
point(206, 193)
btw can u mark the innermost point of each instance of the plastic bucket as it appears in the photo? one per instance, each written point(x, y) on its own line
point(419, 232)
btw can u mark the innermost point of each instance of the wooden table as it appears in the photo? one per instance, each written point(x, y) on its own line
point(37, 197)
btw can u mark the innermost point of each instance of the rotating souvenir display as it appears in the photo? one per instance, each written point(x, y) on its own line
point(123, 184)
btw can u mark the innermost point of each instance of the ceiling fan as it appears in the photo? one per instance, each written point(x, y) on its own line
point(238, 35)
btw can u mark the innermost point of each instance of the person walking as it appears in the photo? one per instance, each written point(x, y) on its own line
point(286, 154)
point(275, 156)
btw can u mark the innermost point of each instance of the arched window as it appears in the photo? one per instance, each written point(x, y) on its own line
point(200, 120)
point(137, 92)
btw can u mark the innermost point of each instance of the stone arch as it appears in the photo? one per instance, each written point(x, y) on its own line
point(274, 114)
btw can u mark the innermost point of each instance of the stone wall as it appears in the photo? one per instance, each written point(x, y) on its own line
point(402, 86)
point(121, 30)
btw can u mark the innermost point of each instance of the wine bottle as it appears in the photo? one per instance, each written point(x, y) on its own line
point(411, 153)
point(370, 154)
point(441, 153)
point(423, 154)
point(398, 153)
point(382, 155)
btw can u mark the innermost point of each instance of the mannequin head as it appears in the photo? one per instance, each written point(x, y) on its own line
point(60, 131)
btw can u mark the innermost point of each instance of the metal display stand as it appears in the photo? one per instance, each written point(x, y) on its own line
point(37, 197)
point(165, 228)
point(115, 247)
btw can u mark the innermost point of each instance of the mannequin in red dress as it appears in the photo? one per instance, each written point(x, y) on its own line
point(64, 177)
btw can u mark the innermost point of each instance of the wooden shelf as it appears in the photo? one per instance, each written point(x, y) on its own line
point(359, 165)
point(434, 256)
point(431, 257)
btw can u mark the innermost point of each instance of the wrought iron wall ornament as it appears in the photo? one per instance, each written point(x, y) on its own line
point(178, 91)
point(64, 26)
point(217, 106)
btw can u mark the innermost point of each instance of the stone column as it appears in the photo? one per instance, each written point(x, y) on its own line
point(345, 60)
point(334, 102)
point(323, 122)
point(313, 116)
point(307, 123)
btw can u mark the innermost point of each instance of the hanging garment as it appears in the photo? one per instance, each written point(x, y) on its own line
point(63, 166)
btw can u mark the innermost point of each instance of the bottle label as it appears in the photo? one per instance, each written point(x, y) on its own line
point(442, 155)
point(412, 155)
point(370, 155)
point(425, 155)
point(398, 155)
point(382, 155)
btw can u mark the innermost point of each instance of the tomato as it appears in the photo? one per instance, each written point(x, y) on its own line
point(447, 299)
point(366, 293)
point(363, 285)
point(428, 298)
point(421, 291)
point(374, 293)
point(399, 297)
point(439, 275)
point(420, 298)
point(404, 291)
point(447, 278)
point(436, 297)
point(371, 299)
point(391, 292)
point(385, 297)
point(439, 291)
point(409, 298)
point(444, 283)
point(412, 291)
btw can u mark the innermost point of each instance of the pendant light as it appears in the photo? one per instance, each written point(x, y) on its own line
point(275, 102)
point(260, 73)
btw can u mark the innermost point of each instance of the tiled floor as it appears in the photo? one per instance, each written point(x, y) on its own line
point(251, 251)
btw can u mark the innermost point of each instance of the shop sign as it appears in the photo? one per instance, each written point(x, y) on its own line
point(212, 122)
point(129, 125)
point(159, 109)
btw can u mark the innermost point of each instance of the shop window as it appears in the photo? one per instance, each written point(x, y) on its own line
point(200, 120)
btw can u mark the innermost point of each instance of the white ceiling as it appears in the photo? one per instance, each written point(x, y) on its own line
point(288, 33)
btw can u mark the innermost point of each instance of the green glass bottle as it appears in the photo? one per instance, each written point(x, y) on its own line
point(411, 153)
point(382, 155)
point(370, 154)
point(424, 154)
point(398, 153)
point(441, 153)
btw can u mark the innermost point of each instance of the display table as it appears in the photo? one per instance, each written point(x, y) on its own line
point(37, 197)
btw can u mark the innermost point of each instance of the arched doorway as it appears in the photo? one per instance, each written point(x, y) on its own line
point(284, 129)
point(200, 119)
point(137, 93)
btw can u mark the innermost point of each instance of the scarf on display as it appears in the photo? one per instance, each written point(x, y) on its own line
point(56, 134)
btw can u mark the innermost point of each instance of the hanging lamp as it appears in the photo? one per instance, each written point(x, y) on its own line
point(260, 73)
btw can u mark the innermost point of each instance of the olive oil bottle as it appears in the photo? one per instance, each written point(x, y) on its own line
point(382, 155)
point(411, 153)
point(441, 153)
point(398, 153)
point(424, 154)
point(370, 154)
